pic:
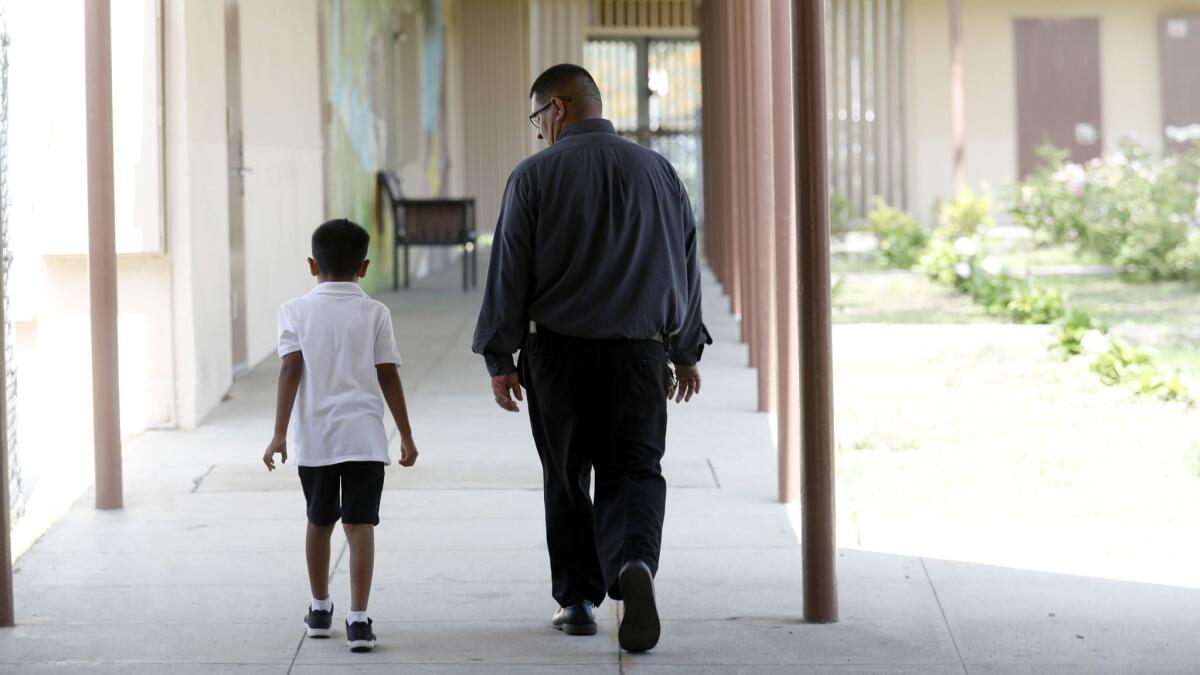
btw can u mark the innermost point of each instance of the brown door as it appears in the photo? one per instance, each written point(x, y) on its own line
point(237, 185)
point(1181, 81)
point(1058, 88)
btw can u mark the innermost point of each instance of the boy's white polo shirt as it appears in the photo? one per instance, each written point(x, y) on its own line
point(343, 334)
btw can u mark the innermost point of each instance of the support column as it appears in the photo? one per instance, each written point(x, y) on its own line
point(708, 121)
point(745, 148)
point(763, 178)
point(102, 255)
point(788, 384)
point(958, 122)
point(730, 179)
point(816, 398)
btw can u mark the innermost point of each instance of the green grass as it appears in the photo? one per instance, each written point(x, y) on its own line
point(900, 298)
point(1021, 258)
point(978, 443)
point(847, 264)
point(1184, 358)
point(1117, 302)
point(1163, 316)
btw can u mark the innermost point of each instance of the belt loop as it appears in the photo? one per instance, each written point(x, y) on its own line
point(533, 328)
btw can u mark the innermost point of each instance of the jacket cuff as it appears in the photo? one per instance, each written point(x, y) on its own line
point(687, 358)
point(499, 364)
point(690, 357)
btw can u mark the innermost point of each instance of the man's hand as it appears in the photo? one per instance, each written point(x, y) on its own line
point(689, 383)
point(278, 445)
point(408, 451)
point(505, 388)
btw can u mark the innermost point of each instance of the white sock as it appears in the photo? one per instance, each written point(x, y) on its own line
point(356, 617)
point(325, 605)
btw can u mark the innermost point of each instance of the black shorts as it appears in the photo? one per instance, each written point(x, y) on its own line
point(361, 489)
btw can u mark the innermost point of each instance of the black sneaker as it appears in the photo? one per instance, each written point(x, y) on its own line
point(359, 636)
point(319, 622)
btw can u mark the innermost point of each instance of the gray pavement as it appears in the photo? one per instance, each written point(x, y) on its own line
point(203, 571)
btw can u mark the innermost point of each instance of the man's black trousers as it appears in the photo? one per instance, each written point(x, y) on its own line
point(602, 405)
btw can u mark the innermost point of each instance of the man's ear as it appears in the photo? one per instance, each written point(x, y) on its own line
point(362, 270)
point(312, 267)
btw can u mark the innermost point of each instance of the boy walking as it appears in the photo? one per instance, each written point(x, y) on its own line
point(338, 356)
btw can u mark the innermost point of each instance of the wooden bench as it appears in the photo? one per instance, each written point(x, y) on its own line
point(429, 222)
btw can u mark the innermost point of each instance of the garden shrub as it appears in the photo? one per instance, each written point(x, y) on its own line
point(1052, 201)
point(1185, 260)
point(902, 240)
point(1033, 305)
point(965, 215)
point(1129, 209)
point(939, 261)
point(1072, 330)
point(841, 215)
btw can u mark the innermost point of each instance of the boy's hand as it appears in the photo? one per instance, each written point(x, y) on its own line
point(408, 452)
point(278, 445)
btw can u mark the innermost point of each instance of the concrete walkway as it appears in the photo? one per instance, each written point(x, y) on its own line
point(203, 571)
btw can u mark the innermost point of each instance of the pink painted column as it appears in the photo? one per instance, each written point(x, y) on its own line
point(102, 254)
point(816, 384)
point(732, 168)
point(788, 358)
point(763, 181)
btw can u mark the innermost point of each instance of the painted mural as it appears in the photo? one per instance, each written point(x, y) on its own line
point(360, 38)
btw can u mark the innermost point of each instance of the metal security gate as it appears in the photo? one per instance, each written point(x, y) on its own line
point(651, 90)
point(864, 61)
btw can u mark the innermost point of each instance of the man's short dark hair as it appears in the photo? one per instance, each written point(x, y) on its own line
point(340, 246)
point(556, 79)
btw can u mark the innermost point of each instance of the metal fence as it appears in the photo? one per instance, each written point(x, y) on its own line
point(865, 103)
point(651, 89)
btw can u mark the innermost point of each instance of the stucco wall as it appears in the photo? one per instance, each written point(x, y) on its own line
point(1129, 69)
point(281, 118)
point(197, 206)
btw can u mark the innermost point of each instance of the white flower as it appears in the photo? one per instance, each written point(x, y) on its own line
point(963, 270)
point(966, 247)
point(1073, 176)
point(991, 265)
point(1077, 181)
point(1027, 195)
point(1095, 342)
point(1118, 159)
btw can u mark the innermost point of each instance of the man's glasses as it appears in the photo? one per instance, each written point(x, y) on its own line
point(533, 118)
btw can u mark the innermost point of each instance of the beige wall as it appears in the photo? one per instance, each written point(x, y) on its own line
point(197, 206)
point(281, 116)
point(495, 61)
point(1129, 66)
point(557, 31)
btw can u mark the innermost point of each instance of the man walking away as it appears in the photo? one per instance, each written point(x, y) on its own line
point(594, 277)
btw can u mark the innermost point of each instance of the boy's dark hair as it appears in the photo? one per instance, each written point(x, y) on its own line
point(340, 246)
point(556, 79)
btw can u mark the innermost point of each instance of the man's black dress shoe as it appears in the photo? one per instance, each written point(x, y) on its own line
point(640, 629)
point(577, 619)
